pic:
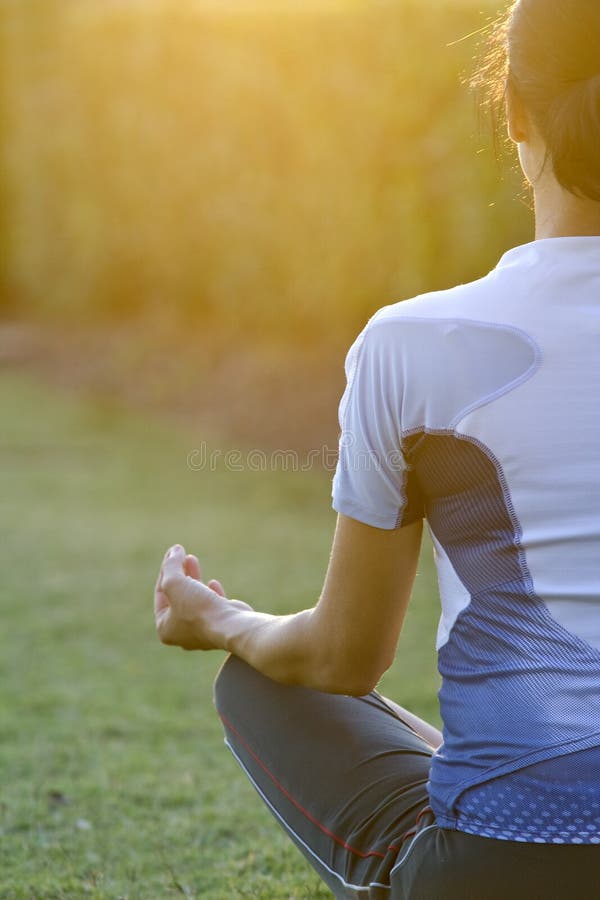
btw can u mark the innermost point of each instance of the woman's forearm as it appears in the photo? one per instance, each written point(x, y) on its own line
point(281, 647)
point(290, 649)
point(343, 645)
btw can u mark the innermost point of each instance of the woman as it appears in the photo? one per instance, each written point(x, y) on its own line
point(477, 409)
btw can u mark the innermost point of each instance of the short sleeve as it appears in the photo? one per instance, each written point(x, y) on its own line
point(373, 482)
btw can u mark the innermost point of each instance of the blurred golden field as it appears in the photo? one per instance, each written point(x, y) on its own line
point(280, 166)
point(236, 187)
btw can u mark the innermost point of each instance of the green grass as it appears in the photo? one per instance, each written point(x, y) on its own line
point(115, 782)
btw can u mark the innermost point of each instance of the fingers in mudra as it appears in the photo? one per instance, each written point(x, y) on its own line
point(184, 605)
point(191, 567)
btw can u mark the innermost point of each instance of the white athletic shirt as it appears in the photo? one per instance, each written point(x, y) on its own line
point(478, 408)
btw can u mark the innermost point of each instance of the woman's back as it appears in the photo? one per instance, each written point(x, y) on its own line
point(491, 391)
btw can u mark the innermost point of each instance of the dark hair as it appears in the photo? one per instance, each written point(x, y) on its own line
point(548, 52)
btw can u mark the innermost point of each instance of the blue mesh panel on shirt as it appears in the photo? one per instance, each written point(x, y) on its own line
point(556, 801)
point(518, 688)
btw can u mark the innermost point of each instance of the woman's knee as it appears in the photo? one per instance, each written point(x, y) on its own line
point(228, 683)
point(241, 691)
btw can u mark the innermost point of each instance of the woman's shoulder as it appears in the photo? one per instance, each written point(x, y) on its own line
point(473, 329)
point(473, 300)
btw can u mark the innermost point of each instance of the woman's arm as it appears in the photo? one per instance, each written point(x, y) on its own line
point(343, 645)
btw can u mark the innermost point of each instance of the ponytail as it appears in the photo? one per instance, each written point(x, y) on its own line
point(549, 51)
point(572, 131)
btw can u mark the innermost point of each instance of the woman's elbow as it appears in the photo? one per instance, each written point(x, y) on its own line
point(361, 687)
point(353, 678)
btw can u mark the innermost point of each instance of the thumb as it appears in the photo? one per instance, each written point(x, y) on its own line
point(173, 566)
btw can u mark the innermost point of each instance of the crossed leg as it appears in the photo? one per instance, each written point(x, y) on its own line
point(345, 776)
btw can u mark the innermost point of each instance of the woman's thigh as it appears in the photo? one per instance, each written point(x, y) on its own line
point(344, 775)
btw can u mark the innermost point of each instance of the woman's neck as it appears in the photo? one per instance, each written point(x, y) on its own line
point(559, 213)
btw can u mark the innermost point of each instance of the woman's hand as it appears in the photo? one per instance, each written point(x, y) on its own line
point(186, 610)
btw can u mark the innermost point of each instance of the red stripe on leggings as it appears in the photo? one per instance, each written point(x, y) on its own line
point(298, 806)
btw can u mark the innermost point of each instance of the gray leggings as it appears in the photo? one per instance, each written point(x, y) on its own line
point(346, 778)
